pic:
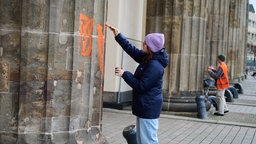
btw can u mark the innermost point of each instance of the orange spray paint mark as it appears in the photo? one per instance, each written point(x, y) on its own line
point(86, 27)
point(100, 47)
point(85, 40)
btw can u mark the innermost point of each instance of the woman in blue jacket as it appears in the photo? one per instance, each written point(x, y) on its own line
point(146, 83)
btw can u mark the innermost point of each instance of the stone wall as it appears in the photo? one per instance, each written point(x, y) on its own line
point(51, 71)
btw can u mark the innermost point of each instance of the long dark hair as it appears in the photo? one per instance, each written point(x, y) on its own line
point(148, 56)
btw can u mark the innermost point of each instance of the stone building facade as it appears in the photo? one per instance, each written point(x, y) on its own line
point(196, 31)
point(57, 60)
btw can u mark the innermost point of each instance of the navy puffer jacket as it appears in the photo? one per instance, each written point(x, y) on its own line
point(147, 80)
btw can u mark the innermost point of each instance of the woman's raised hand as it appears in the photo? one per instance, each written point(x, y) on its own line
point(113, 29)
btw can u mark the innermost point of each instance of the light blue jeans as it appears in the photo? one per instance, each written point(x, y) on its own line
point(146, 131)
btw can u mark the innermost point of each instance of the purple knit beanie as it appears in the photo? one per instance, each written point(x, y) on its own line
point(155, 41)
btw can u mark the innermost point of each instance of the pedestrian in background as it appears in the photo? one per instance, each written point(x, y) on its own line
point(221, 80)
point(146, 82)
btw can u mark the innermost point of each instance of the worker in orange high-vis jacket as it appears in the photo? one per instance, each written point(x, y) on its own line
point(221, 80)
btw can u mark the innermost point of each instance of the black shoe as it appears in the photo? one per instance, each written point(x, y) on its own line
point(218, 114)
point(226, 111)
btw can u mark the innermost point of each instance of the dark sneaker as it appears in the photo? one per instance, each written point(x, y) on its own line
point(218, 114)
point(226, 111)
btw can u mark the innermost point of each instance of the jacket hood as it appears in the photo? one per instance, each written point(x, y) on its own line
point(161, 56)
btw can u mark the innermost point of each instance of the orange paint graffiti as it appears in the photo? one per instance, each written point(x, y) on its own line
point(86, 25)
point(86, 28)
point(100, 46)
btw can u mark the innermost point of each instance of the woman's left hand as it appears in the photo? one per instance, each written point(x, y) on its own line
point(119, 71)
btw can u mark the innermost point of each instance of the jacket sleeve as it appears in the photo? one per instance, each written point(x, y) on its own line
point(216, 74)
point(149, 78)
point(130, 49)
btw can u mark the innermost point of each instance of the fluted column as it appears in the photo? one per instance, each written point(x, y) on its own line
point(242, 35)
point(232, 37)
point(175, 45)
point(226, 34)
point(213, 28)
point(160, 19)
point(186, 35)
point(191, 54)
point(184, 25)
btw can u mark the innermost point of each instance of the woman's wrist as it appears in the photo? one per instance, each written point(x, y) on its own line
point(116, 32)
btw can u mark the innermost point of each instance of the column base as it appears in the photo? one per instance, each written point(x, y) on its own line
point(182, 104)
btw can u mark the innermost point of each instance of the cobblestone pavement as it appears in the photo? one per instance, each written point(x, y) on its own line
point(236, 127)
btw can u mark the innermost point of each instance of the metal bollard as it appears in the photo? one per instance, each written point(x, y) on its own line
point(201, 107)
point(129, 134)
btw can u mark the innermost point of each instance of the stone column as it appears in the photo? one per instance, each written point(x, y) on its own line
point(231, 38)
point(159, 19)
point(226, 35)
point(174, 47)
point(236, 37)
point(33, 70)
point(191, 51)
point(242, 35)
point(213, 28)
point(53, 66)
point(10, 43)
point(184, 24)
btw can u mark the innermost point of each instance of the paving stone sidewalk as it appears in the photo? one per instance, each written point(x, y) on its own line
point(236, 127)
